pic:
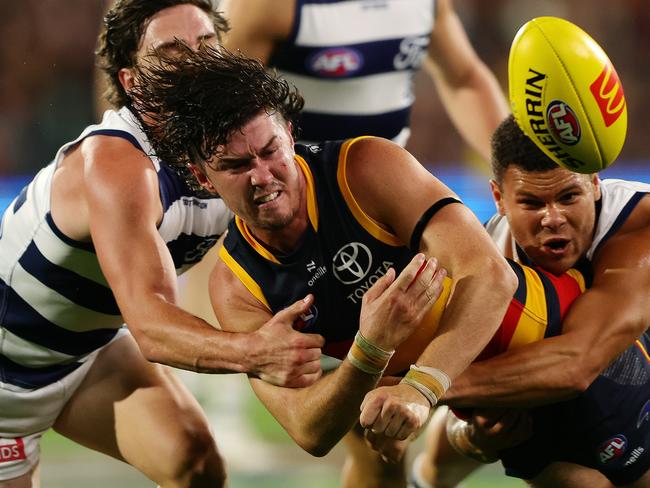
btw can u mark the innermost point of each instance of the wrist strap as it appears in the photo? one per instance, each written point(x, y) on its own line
point(368, 357)
point(431, 382)
point(458, 436)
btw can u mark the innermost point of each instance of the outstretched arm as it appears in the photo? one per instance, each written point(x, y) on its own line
point(471, 94)
point(600, 325)
point(121, 189)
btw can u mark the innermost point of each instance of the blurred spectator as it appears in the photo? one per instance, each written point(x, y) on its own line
point(46, 80)
point(47, 59)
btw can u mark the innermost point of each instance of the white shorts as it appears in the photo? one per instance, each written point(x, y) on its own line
point(26, 414)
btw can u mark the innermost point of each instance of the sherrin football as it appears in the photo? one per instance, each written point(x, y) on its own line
point(565, 94)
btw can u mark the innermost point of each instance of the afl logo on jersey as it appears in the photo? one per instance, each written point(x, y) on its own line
point(563, 123)
point(352, 263)
point(306, 319)
point(335, 62)
point(612, 449)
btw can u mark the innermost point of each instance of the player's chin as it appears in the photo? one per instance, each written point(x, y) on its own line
point(556, 264)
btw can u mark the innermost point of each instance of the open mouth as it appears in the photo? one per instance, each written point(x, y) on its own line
point(556, 245)
point(266, 198)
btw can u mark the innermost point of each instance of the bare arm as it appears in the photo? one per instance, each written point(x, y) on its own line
point(468, 89)
point(121, 189)
point(256, 26)
point(318, 416)
point(600, 325)
point(395, 190)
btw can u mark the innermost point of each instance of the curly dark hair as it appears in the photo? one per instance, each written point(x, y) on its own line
point(191, 103)
point(121, 35)
point(511, 147)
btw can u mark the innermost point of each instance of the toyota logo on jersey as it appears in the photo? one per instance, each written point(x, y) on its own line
point(351, 263)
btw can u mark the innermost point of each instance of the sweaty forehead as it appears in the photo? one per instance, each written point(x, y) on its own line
point(553, 181)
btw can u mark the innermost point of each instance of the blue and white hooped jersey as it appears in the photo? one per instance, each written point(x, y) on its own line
point(55, 304)
point(354, 62)
point(618, 199)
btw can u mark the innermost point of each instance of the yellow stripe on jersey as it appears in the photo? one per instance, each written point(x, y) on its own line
point(373, 227)
point(577, 275)
point(312, 206)
point(243, 276)
point(250, 238)
point(643, 350)
point(533, 320)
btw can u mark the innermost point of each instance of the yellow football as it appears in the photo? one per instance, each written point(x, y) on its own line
point(565, 94)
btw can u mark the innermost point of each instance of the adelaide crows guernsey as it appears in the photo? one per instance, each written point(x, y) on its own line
point(344, 252)
point(55, 304)
point(354, 62)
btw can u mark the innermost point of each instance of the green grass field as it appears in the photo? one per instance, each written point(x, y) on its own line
point(280, 465)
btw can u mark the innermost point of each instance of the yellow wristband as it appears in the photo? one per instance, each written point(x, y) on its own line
point(368, 357)
point(431, 382)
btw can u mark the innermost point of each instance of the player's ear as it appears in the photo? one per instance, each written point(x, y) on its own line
point(127, 78)
point(201, 177)
point(497, 196)
point(595, 181)
point(290, 132)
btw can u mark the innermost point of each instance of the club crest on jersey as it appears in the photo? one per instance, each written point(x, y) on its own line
point(306, 319)
point(612, 449)
point(352, 263)
point(335, 62)
point(12, 450)
point(644, 414)
point(563, 123)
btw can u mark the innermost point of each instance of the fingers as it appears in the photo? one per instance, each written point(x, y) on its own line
point(380, 286)
point(294, 311)
point(426, 281)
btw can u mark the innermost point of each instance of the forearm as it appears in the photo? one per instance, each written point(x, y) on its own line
point(599, 327)
point(476, 106)
point(317, 417)
point(169, 335)
point(521, 378)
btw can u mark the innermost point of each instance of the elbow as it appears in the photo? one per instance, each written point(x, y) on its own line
point(505, 277)
point(149, 349)
point(316, 446)
point(500, 278)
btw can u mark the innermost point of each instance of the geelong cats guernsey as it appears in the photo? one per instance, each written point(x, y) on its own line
point(354, 62)
point(55, 304)
point(344, 252)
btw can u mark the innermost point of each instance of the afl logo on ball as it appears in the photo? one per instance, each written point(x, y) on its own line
point(563, 123)
point(352, 263)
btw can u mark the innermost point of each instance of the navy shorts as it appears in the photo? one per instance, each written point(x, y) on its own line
point(606, 428)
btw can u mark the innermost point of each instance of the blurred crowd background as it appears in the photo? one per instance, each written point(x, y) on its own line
point(46, 79)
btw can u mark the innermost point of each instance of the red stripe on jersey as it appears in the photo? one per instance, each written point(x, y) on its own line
point(566, 287)
point(501, 339)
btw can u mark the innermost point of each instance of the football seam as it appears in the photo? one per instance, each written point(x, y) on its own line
point(580, 99)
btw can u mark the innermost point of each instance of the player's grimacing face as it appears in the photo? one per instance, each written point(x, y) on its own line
point(256, 174)
point(552, 214)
